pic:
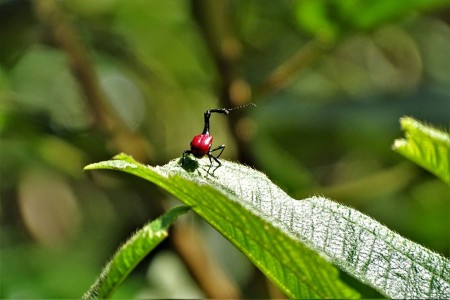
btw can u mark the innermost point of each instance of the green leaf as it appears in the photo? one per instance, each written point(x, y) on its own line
point(329, 18)
point(368, 14)
point(313, 17)
point(426, 146)
point(131, 253)
point(287, 238)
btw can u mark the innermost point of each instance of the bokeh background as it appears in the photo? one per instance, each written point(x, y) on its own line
point(82, 80)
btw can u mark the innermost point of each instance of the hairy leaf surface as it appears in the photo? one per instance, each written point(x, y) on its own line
point(426, 146)
point(288, 239)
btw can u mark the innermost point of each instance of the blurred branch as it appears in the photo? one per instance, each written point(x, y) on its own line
point(285, 72)
point(66, 38)
point(213, 19)
point(202, 267)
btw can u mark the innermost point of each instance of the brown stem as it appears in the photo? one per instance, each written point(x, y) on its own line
point(285, 72)
point(213, 19)
point(202, 267)
point(104, 117)
point(65, 38)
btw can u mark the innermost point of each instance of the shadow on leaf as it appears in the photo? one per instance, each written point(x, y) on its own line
point(188, 164)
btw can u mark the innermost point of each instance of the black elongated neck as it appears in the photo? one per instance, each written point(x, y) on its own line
point(224, 111)
point(206, 128)
point(208, 115)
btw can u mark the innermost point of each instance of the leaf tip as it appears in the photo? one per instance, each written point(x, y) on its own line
point(399, 143)
point(406, 120)
point(90, 167)
point(123, 156)
point(119, 162)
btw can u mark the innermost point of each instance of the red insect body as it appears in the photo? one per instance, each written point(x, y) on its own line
point(201, 144)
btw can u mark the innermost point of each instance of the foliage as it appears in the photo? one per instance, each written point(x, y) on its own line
point(131, 253)
point(330, 18)
point(281, 235)
point(82, 80)
point(426, 146)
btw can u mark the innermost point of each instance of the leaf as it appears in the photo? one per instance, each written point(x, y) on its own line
point(426, 146)
point(286, 238)
point(328, 19)
point(368, 14)
point(131, 253)
point(313, 17)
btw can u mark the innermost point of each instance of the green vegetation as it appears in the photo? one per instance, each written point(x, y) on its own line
point(278, 233)
point(426, 146)
point(82, 80)
point(131, 253)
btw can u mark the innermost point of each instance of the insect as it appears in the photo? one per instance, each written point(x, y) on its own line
point(201, 144)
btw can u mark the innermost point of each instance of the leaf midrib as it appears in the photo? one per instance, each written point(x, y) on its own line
point(269, 251)
point(220, 215)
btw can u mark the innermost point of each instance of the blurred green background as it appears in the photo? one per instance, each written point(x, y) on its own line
point(82, 80)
